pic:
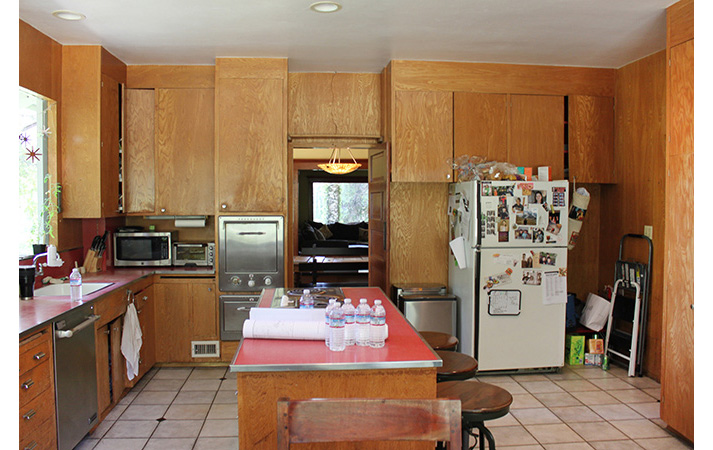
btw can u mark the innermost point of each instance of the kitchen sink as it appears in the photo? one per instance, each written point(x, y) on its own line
point(63, 289)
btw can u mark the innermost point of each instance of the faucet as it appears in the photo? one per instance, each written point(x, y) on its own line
point(38, 268)
point(53, 259)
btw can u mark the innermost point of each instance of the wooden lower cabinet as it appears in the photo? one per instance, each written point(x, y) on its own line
point(37, 427)
point(185, 310)
point(145, 310)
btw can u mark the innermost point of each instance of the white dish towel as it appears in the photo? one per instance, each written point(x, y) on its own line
point(131, 341)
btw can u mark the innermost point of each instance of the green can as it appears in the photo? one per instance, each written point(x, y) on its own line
point(605, 362)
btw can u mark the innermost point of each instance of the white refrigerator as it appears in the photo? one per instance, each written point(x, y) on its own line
point(508, 268)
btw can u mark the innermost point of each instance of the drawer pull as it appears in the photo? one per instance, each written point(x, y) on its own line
point(27, 384)
point(39, 356)
point(32, 446)
point(30, 414)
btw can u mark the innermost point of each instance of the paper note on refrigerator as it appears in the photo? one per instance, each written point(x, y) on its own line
point(554, 288)
point(458, 249)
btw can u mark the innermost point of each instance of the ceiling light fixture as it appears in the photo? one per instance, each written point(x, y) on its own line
point(325, 7)
point(336, 166)
point(68, 15)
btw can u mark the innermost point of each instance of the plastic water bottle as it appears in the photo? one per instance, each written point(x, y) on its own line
point(336, 329)
point(306, 300)
point(363, 323)
point(349, 322)
point(377, 330)
point(75, 285)
point(327, 311)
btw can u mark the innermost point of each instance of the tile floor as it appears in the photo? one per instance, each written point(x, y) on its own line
point(579, 408)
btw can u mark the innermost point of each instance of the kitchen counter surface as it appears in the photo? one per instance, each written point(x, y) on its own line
point(404, 347)
point(39, 311)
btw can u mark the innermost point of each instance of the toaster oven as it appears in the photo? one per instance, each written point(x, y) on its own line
point(198, 254)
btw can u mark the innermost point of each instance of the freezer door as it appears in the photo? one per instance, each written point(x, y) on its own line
point(523, 213)
point(520, 318)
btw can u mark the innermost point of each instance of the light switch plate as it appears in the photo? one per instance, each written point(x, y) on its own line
point(649, 231)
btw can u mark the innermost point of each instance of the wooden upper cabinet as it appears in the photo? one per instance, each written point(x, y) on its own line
point(168, 161)
point(422, 137)
point(537, 132)
point(334, 104)
point(480, 124)
point(139, 167)
point(591, 139)
point(251, 145)
point(184, 151)
point(91, 130)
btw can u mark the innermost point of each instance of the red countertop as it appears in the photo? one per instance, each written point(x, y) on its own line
point(404, 347)
point(40, 311)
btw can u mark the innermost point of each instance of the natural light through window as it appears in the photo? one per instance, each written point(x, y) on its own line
point(33, 136)
point(340, 202)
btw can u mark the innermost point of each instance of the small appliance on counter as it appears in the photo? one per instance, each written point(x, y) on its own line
point(193, 254)
point(138, 249)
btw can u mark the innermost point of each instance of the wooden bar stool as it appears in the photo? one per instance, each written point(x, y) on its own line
point(439, 341)
point(456, 366)
point(480, 402)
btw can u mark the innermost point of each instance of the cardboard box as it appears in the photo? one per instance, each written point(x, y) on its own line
point(574, 350)
point(596, 346)
point(593, 359)
point(543, 173)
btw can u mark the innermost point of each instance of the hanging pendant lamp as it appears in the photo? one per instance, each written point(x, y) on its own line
point(336, 166)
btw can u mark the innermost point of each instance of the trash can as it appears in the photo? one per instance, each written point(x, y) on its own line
point(428, 307)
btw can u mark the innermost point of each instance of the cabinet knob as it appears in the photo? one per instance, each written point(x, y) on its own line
point(27, 384)
point(210, 289)
point(224, 206)
point(163, 210)
point(448, 177)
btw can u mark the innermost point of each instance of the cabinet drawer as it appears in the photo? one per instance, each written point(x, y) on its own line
point(41, 438)
point(35, 350)
point(36, 412)
point(111, 307)
point(33, 382)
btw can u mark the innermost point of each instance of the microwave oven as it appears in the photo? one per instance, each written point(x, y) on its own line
point(136, 249)
point(200, 255)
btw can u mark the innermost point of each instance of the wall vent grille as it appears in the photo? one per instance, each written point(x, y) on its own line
point(205, 349)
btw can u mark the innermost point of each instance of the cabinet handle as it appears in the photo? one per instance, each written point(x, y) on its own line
point(30, 414)
point(27, 384)
point(32, 446)
point(39, 356)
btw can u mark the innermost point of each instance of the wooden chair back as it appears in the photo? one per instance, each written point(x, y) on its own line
point(345, 420)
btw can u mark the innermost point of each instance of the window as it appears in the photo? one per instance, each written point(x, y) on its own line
point(343, 202)
point(35, 215)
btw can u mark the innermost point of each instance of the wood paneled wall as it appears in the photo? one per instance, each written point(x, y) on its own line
point(583, 259)
point(40, 70)
point(160, 76)
point(638, 198)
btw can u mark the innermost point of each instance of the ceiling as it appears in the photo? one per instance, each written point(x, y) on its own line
point(365, 34)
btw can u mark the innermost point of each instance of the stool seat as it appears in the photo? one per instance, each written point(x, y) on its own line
point(439, 341)
point(456, 366)
point(479, 402)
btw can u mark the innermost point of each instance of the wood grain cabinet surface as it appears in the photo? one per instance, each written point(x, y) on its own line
point(423, 136)
point(169, 159)
point(90, 123)
point(480, 125)
point(591, 139)
point(37, 426)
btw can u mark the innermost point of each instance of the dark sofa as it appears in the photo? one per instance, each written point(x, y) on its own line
point(334, 236)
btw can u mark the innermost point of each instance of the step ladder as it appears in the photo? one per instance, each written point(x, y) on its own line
point(626, 325)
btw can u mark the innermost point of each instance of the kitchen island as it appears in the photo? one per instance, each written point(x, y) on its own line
point(268, 369)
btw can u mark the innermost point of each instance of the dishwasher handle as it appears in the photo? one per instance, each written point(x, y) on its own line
point(69, 333)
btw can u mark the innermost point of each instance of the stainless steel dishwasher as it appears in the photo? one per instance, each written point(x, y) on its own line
point(75, 375)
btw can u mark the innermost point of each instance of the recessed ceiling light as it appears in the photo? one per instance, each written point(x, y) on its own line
point(325, 7)
point(69, 15)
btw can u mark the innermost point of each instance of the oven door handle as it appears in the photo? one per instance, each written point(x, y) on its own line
point(243, 308)
point(251, 233)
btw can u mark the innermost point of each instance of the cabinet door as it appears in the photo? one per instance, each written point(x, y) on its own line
point(101, 344)
point(204, 320)
point(139, 177)
point(537, 132)
point(423, 136)
point(591, 139)
point(146, 321)
point(172, 319)
point(119, 379)
point(480, 125)
point(185, 132)
point(110, 126)
point(251, 155)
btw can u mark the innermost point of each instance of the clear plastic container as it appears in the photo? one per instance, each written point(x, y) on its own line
point(327, 310)
point(363, 323)
point(349, 322)
point(336, 329)
point(75, 285)
point(306, 300)
point(377, 330)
